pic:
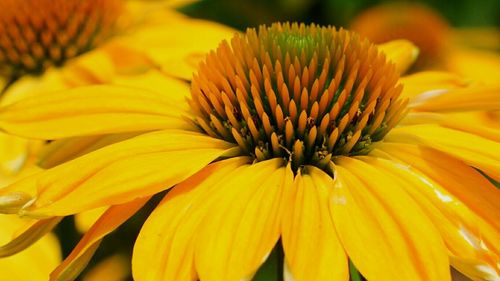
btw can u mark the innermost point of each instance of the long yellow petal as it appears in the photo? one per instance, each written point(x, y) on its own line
point(164, 249)
point(115, 174)
point(461, 180)
point(474, 150)
point(464, 233)
point(382, 229)
point(424, 81)
point(71, 267)
point(312, 248)
point(90, 110)
point(484, 124)
point(402, 53)
point(243, 225)
point(60, 151)
point(466, 99)
point(30, 234)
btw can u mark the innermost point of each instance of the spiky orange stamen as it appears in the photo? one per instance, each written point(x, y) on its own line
point(306, 93)
point(35, 34)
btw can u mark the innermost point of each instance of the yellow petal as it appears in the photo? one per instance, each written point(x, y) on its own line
point(164, 249)
point(421, 82)
point(71, 267)
point(476, 151)
point(382, 229)
point(464, 233)
point(28, 265)
point(479, 123)
point(30, 234)
point(481, 66)
point(94, 67)
point(60, 151)
point(117, 173)
point(13, 154)
point(475, 271)
point(171, 45)
point(466, 99)
point(28, 85)
point(312, 248)
point(89, 111)
point(85, 220)
point(127, 61)
point(461, 180)
point(242, 226)
point(155, 81)
point(402, 53)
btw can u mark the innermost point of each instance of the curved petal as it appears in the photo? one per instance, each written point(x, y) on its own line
point(402, 53)
point(164, 249)
point(459, 179)
point(89, 111)
point(312, 248)
point(424, 81)
point(63, 150)
point(30, 234)
point(474, 150)
point(243, 224)
point(27, 265)
point(484, 124)
point(465, 234)
point(382, 229)
point(71, 267)
point(466, 99)
point(118, 173)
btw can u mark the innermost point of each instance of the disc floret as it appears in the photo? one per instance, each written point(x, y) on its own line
point(304, 93)
point(35, 34)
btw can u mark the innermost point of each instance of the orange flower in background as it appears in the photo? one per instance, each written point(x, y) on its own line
point(299, 135)
point(441, 46)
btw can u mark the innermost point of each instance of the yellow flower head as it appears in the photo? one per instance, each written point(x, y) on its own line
point(294, 135)
point(311, 93)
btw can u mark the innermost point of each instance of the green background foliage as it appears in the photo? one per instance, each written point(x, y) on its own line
point(249, 13)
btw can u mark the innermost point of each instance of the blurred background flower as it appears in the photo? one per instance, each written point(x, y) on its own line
point(51, 45)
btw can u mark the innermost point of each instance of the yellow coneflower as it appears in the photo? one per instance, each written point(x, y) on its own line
point(295, 135)
point(48, 45)
point(441, 46)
